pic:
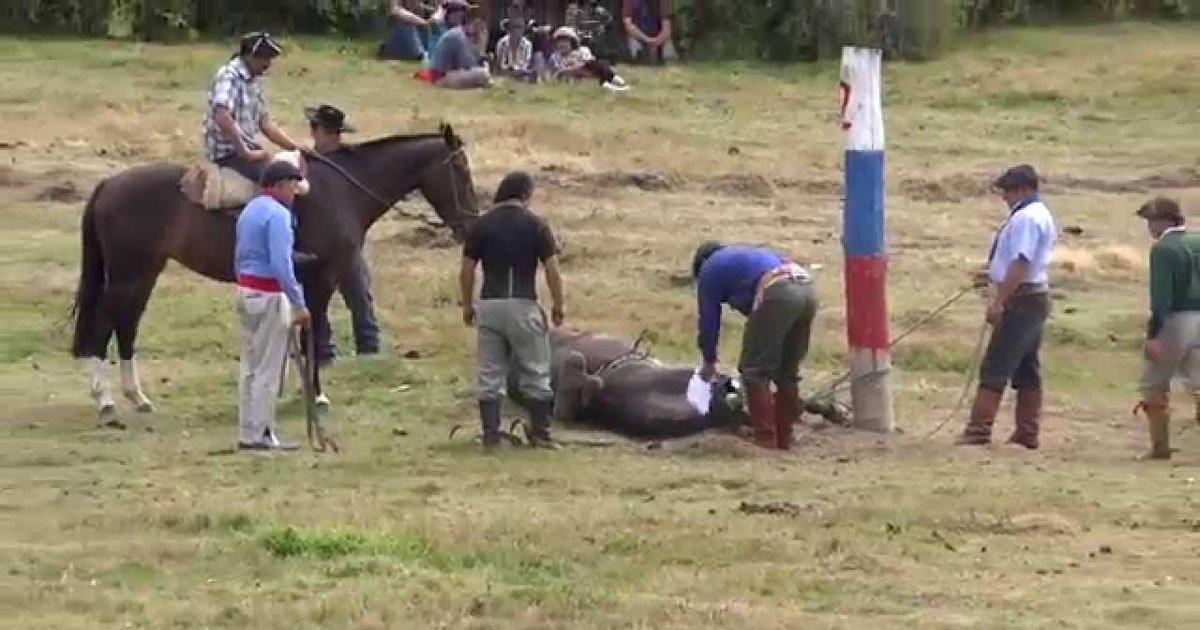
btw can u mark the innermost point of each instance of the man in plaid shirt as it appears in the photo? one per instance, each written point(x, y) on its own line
point(237, 110)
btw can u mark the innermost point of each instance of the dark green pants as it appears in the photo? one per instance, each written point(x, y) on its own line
point(777, 333)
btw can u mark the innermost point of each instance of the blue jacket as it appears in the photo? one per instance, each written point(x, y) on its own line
point(265, 236)
point(730, 276)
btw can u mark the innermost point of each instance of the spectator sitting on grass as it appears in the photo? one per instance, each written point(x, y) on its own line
point(454, 63)
point(572, 60)
point(403, 41)
point(514, 53)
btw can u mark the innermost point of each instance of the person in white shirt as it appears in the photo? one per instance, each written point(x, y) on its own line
point(1017, 268)
point(514, 52)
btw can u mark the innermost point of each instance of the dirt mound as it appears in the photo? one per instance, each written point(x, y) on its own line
point(66, 192)
point(950, 189)
point(10, 179)
point(1109, 258)
point(427, 236)
point(1045, 523)
point(742, 185)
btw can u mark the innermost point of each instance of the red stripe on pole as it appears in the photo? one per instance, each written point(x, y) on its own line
point(866, 302)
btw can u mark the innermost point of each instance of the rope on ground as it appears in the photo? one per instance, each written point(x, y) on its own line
point(966, 390)
point(837, 383)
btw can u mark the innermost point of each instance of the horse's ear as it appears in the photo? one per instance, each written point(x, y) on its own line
point(452, 139)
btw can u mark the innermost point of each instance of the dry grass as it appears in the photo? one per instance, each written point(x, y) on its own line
point(407, 529)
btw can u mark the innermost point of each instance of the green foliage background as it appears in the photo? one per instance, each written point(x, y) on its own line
point(763, 29)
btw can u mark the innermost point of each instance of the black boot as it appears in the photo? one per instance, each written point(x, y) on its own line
point(489, 416)
point(539, 419)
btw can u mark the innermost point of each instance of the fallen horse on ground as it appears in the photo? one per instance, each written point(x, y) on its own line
point(613, 384)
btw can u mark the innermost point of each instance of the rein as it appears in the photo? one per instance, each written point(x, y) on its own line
point(350, 178)
point(636, 354)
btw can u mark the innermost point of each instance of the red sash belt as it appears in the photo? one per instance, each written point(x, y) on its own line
point(258, 283)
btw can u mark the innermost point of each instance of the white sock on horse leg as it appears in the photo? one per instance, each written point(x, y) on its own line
point(99, 385)
point(132, 385)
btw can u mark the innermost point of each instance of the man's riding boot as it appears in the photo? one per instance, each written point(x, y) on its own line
point(983, 414)
point(787, 412)
point(539, 420)
point(1158, 419)
point(489, 416)
point(762, 414)
point(1028, 415)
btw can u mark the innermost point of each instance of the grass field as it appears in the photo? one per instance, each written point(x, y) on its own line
point(407, 528)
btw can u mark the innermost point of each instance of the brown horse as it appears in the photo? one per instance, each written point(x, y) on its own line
point(138, 219)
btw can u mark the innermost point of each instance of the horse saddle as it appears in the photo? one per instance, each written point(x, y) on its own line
point(224, 189)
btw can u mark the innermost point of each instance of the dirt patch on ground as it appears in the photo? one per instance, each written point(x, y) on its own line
point(950, 189)
point(65, 192)
point(428, 237)
point(9, 178)
point(1184, 178)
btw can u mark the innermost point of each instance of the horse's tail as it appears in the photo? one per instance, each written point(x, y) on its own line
point(91, 280)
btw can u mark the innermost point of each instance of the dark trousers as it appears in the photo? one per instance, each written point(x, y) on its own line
point(356, 292)
point(1012, 353)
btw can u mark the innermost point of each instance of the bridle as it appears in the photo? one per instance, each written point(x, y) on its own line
point(637, 354)
point(458, 195)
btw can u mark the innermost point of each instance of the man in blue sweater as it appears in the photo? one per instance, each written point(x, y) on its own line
point(778, 298)
point(270, 301)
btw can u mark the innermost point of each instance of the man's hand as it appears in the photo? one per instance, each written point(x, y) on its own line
point(256, 155)
point(469, 315)
point(1153, 350)
point(301, 317)
point(709, 371)
point(980, 279)
point(558, 315)
point(307, 152)
point(995, 311)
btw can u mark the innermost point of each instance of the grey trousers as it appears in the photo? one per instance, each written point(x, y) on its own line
point(777, 333)
point(1181, 340)
point(264, 318)
point(513, 331)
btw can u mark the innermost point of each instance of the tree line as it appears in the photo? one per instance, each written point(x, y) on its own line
point(761, 29)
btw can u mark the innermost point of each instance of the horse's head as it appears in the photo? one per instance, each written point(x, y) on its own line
point(448, 186)
point(575, 388)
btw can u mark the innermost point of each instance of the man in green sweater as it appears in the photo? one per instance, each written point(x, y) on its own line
point(1173, 334)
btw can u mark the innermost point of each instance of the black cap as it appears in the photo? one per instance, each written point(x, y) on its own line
point(279, 171)
point(329, 117)
point(259, 44)
point(1017, 177)
point(703, 252)
point(1161, 208)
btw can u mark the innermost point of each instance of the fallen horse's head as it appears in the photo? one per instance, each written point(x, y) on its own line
point(575, 387)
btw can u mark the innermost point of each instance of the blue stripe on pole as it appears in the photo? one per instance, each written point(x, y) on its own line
point(863, 214)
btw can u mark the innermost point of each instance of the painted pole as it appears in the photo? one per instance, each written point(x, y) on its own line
point(863, 239)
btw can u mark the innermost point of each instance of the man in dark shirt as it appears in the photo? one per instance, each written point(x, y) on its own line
point(510, 242)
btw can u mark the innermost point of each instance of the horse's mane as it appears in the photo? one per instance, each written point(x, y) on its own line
point(350, 149)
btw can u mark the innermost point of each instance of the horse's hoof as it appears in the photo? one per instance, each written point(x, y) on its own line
point(322, 400)
point(108, 410)
point(140, 403)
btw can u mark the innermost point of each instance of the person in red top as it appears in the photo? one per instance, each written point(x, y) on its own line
point(648, 30)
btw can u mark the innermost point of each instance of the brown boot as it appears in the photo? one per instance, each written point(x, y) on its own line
point(1157, 408)
point(787, 412)
point(1028, 415)
point(978, 431)
point(762, 414)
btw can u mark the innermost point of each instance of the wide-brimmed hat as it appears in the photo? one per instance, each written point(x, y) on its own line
point(1161, 208)
point(566, 32)
point(1017, 177)
point(329, 117)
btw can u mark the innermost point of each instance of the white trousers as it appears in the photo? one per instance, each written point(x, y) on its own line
point(264, 318)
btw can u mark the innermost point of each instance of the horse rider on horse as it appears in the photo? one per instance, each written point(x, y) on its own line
point(237, 110)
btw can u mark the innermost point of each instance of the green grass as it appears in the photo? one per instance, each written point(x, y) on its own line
point(408, 528)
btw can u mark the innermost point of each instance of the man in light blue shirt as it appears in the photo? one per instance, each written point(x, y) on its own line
point(1017, 266)
point(270, 301)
